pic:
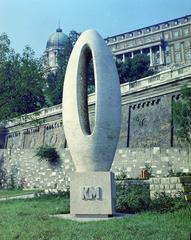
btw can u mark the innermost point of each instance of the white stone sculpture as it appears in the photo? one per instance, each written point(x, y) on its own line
point(91, 151)
point(92, 187)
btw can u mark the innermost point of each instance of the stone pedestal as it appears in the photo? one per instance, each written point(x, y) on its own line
point(92, 194)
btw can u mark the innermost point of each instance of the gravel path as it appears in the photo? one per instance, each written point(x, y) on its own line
point(27, 196)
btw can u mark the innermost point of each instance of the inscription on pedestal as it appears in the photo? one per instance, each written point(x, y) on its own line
point(91, 193)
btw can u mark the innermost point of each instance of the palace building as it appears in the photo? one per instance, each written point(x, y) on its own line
point(167, 43)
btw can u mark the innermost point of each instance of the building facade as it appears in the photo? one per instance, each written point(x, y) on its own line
point(167, 43)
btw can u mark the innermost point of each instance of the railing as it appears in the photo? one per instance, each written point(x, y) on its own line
point(156, 79)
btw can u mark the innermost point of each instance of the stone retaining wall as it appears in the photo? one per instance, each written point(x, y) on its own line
point(27, 170)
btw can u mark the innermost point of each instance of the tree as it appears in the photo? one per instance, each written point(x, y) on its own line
point(182, 116)
point(134, 68)
point(54, 88)
point(73, 37)
point(130, 70)
point(21, 81)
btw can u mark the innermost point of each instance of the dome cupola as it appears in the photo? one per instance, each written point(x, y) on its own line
point(57, 40)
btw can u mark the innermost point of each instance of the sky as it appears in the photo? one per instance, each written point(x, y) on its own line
point(30, 22)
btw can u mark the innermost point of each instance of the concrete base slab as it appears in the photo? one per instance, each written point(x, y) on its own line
point(89, 219)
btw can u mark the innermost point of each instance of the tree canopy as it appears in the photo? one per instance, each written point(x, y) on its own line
point(24, 88)
point(134, 68)
point(182, 116)
point(21, 81)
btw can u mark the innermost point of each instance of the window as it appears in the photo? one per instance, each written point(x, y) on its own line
point(128, 55)
point(121, 37)
point(136, 52)
point(119, 57)
point(51, 59)
point(146, 51)
point(157, 27)
point(167, 55)
point(187, 55)
point(185, 31)
point(167, 59)
point(139, 41)
point(166, 36)
point(176, 34)
point(113, 47)
point(148, 30)
point(186, 44)
point(177, 46)
point(177, 57)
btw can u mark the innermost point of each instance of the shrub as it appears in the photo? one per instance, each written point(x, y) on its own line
point(180, 174)
point(121, 176)
point(136, 198)
point(47, 153)
point(163, 203)
point(132, 198)
point(3, 177)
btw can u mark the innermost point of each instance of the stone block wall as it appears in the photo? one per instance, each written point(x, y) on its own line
point(31, 172)
point(27, 170)
point(161, 160)
point(168, 185)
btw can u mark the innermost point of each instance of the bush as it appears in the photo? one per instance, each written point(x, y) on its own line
point(3, 177)
point(132, 198)
point(121, 176)
point(47, 153)
point(163, 203)
point(136, 198)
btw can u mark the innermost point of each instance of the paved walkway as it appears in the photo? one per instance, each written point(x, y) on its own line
point(26, 196)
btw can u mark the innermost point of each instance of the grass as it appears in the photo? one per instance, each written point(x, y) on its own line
point(29, 219)
point(13, 193)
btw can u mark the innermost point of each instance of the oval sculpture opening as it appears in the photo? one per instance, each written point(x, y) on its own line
point(85, 75)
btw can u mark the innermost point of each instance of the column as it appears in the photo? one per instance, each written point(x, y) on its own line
point(141, 51)
point(123, 57)
point(151, 56)
point(172, 54)
point(182, 53)
point(161, 54)
point(132, 55)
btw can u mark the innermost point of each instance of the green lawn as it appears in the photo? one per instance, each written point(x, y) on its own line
point(29, 219)
point(13, 193)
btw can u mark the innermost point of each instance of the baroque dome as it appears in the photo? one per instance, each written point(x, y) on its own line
point(57, 39)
